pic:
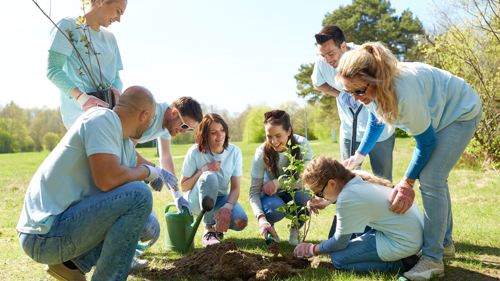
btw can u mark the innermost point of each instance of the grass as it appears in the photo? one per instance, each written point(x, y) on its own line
point(475, 198)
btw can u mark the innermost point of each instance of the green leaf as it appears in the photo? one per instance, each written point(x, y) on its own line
point(290, 203)
point(290, 217)
point(293, 208)
point(83, 39)
point(77, 23)
point(303, 217)
point(281, 209)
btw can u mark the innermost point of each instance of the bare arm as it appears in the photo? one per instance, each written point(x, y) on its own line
point(166, 160)
point(188, 183)
point(327, 89)
point(234, 193)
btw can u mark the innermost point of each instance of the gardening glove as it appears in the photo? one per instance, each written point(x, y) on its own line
point(117, 94)
point(151, 230)
point(402, 197)
point(353, 162)
point(212, 167)
point(169, 179)
point(181, 202)
point(153, 173)
point(265, 226)
point(223, 217)
point(87, 102)
point(316, 204)
point(304, 250)
point(157, 184)
point(270, 187)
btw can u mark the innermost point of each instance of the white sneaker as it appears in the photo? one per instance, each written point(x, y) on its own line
point(138, 264)
point(449, 252)
point(292, 239)
point(425, 270)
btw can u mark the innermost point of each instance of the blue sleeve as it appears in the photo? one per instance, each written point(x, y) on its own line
point(373, 132)
point(56, 74)
point(348, 100)
point(425, 144)
point(337, 243)
point(117, 83)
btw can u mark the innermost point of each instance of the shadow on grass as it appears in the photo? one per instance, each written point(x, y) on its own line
point(480, 250)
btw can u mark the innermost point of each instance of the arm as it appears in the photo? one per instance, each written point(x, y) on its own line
point(234, 194)
point(425, 145)
point(254, 195)
point(166, 160)
point(188, 183)
point(337, 243)
point(327, 89)
point(58, 77)
point(373, 132)
point(117, 83)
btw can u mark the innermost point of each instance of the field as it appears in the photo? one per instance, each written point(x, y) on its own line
point(475, 197)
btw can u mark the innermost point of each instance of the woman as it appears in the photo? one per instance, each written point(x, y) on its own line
point(440, 110)
point(64, 65)
point(268, 164)
point(361, 199)
point(209, 167)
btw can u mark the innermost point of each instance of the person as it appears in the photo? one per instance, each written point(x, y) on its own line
point(86, 205)
point(64, 68)
point(268, 163)
point(210, 166)
point(332, 46)
point(441, 111)
point(393, 241)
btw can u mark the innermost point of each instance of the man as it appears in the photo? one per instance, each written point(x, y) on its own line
point(331, 47)
point(86, 204)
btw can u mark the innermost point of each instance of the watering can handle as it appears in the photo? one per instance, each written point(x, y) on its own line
point(168, 207)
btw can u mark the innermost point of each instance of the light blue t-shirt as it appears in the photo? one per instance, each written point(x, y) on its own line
point(325, 73)
point(64, 178)
point(109, 57)
point(260, 170)
point(429, 95)
point(156, 129)
point(362, 203)
point(231, 165)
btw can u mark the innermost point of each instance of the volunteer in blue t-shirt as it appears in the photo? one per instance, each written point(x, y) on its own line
point(361, 198)
point(67, 72)
point(331, 47)
point(213, 167)
point(268, 163)
point(440, 111)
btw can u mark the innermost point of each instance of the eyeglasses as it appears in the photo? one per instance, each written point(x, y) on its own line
point(278, 114)
point(320, 194)
point(359, 92)
point(184, 126)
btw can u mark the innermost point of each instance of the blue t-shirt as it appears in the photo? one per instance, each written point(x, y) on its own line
point(260, 170)
point(231, 165)
point(428, 95)
point(325, 73)
point(64, 178)
point(109, 58)
point(156, 129)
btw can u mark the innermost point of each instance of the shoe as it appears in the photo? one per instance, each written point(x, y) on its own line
point(62, 273)
point(209, 238)
point(410, 262)
point(220, 235)
point(449, 252)
point(425, 270)
point(138, 264)
point(292, 239)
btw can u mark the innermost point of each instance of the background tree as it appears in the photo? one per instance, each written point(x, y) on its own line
point(255, 131)
point(50, 140)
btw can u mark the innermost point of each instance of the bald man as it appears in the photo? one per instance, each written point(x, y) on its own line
point(86, 204)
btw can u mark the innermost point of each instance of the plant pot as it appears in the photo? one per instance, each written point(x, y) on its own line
point(105, 95)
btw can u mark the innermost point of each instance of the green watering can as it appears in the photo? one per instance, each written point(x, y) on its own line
point(180, 232)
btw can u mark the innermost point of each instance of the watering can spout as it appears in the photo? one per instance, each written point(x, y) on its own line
point(207, 205)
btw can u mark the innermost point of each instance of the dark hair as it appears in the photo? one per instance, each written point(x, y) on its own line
point(328, 32)
point(271, 156)
point(189, 107)
point(203, 131)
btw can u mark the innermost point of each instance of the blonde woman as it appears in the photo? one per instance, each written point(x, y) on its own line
point(440, 110)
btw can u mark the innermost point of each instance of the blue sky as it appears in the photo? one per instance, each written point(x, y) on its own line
point(222, 52)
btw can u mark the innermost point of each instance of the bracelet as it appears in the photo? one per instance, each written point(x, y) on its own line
point(79, 96)
point(314, 248)
point(407, 183)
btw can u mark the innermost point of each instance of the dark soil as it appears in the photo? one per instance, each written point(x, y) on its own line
point(274, 248)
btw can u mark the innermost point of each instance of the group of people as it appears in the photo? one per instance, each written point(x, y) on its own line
point(89, 205)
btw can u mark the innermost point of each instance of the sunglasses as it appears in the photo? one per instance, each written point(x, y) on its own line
point(320, 194)
point(278, 114)
point(359, 92)
point(184, 126)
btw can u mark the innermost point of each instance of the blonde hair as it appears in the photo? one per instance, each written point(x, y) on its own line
point(376, 64)
point(322, 168)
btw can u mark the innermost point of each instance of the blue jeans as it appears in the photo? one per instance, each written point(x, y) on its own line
point(279, 199)
point(380, 155)
point(151, 231)
point(438, 219)
point(101, 230)
point(361, 255)
point(208, 184)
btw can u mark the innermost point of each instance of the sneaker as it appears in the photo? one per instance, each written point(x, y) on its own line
point(209, 238)
point(220, 235)
point(410, 262)
point(62, 273)
point(425, 270)
point(138, 264)
point(449, 252)
point(292, 239)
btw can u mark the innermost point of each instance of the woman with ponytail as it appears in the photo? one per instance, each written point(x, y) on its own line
point(361, 199)
point(441, 111)
point(268, 164)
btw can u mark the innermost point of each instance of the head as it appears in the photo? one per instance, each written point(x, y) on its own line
point(136, 109)
point(374, 64)
point(331, 44)
point(212, 134)
point(108, 11)
point(182, 116)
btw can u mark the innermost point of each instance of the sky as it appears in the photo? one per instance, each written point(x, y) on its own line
point(223, 52)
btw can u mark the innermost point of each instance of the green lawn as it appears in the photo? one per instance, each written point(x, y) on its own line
point(474, 192)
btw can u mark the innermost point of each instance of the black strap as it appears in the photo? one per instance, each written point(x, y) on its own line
point(354, 128)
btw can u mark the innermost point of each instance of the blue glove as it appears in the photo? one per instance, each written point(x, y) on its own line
point(169, 180)
point(180, 202)
point(157, 184)
point(151, 230)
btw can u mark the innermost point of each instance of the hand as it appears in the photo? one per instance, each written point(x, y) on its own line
point(353, 162)
point(181, 202)
point(117, 93)
point(265, 226)
point(402, 197)
point(212, 167)
point(153, 173)
point(169, 179)
point(316, 204)
point(270, 187)
point(87, 102)
point(156, 184)
point(304, 250)
point(223, 217)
